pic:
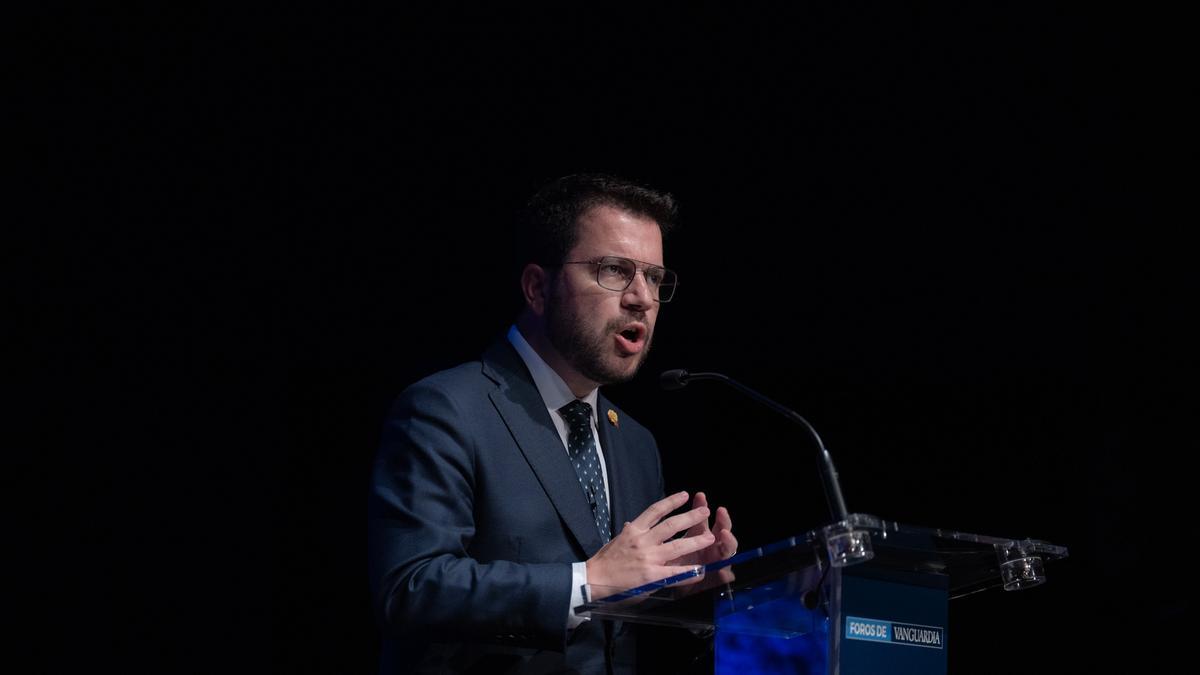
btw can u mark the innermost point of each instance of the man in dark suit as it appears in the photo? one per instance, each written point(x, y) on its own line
point(504, 485)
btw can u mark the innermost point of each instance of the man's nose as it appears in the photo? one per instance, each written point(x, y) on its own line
point(639, 294)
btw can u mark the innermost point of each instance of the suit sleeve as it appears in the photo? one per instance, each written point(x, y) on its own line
point(420, 524)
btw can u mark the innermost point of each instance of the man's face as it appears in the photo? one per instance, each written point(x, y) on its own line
point(605, 335)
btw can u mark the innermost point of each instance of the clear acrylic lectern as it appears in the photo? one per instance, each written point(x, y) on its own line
point(861, 596)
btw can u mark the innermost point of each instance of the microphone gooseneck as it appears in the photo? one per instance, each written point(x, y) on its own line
point(678, 379)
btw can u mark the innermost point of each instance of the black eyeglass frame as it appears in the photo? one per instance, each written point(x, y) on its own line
point(637, 265)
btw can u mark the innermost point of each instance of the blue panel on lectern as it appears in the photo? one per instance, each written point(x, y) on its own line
point(884, 622)
point(891, 627)
point(739, 651)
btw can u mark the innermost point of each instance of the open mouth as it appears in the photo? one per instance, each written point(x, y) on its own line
point(631, 338)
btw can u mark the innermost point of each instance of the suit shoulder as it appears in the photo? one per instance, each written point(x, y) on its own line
point(459, 384)
point(464, 375)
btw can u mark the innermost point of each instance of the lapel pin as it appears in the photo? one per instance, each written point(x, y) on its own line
point(612, 417)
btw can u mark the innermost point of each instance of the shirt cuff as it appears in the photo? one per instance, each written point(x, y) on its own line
point(578, 581)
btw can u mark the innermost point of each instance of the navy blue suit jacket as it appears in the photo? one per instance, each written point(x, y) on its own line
point(475, 516)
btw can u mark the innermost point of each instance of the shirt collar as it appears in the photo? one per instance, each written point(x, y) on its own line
point(554, 390)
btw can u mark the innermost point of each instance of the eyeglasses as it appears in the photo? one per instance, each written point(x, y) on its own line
point(616, 274)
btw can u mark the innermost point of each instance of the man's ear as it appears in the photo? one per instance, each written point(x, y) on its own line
point(535, 285)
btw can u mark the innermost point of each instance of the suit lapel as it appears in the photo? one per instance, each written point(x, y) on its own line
point(616, 464)
point(524, 413)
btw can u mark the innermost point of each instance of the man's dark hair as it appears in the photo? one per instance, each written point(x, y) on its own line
point(548, 227)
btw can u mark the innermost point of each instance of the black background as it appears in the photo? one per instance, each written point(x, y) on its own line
point(930, 232)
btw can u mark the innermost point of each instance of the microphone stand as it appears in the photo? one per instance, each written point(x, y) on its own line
point(677, 379)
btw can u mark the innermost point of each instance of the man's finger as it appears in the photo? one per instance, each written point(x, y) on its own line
point(673, 570)
point(722, 521)
point(677, 548)
point(658, 509)
point(728, 543)
point(667, 528)
point(699, 501)
point(723, 529)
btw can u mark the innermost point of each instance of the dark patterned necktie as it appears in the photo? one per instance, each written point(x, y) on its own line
point(581, 446)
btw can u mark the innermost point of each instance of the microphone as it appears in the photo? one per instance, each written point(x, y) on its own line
point(674, 379)
point(678, 378)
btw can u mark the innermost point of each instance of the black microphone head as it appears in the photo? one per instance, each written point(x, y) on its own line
point(673, 379)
